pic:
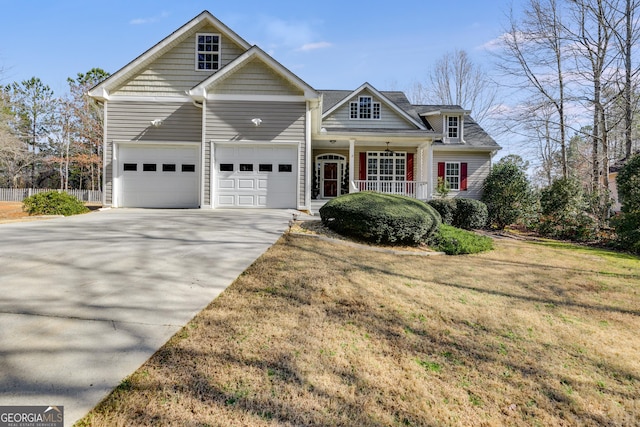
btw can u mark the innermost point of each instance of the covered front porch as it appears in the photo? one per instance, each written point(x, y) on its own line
point(390, 167)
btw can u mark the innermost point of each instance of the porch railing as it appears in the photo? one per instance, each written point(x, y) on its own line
point(415, 189)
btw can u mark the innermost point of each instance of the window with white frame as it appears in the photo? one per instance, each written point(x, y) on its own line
point(386, 166)
point(453, 126)
point(452, 175)
point(207, 52)
point(364, 108)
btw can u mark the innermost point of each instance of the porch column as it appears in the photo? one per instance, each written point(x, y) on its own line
point(429, 169)
point(352, 156)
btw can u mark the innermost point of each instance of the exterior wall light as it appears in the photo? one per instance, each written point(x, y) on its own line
point(256, 121)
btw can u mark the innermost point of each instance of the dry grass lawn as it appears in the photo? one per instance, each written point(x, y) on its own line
point(320, 334)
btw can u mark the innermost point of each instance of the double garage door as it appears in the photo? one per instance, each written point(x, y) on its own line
point(245, 176)
point(258, 176)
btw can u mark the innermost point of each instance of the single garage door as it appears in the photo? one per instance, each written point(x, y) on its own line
point(256, 176)
point(159, 176)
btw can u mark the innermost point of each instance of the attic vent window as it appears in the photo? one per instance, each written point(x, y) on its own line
point(364, 108)
point(207, 52)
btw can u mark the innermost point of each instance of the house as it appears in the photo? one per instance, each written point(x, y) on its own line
point(205, 120)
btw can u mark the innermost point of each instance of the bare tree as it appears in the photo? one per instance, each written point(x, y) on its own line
point(456, 80)
point(532, 57)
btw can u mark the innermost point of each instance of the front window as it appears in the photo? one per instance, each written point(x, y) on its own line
point(365, 109)
point(386, 166)
point(452, 127)
point(207, 52)
point(452, 175)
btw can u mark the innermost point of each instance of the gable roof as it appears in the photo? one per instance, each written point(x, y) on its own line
point(334, 99)
point(199, 91)
point(101, 90)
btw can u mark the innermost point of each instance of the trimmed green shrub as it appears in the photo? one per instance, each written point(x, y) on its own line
point(564, 211)
point(446, 208)
point(507, 194)
point(470, 214)
point(53, 203)
point(380, 218)
point(463, 213)
point(627, 224)
point(454, 241)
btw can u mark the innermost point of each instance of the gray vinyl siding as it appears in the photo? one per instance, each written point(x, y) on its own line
point(281, 121)
point(255, 78)
point(436, 123)
point(130, 121)
point(389, 119)
point(175, 71)
point(478, 167)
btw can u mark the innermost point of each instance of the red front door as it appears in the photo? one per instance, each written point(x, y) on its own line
point(330, 180)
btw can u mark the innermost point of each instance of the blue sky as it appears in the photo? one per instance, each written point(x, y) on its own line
point(329, 44)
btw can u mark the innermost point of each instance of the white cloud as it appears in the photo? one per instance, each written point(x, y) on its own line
point(149, 20)
point(314, 46)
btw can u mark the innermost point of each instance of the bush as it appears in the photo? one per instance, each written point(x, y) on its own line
point(564, 211)
point(470, 214)
point(627, 224)
point(53, 203)
point(454, 241)
point(446, 208)
point(463, 213)
point(380, 218)
point(507, 194)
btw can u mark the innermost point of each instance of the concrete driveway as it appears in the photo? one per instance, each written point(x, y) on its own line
point(85, 300)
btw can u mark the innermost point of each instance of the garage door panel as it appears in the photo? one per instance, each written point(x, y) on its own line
point(173, 184)
point(259, 182)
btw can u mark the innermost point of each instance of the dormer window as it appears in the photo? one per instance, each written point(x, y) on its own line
point(207, 52)
point(453, 127)
point(365, 109)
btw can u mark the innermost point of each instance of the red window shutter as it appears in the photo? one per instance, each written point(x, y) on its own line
point(441, 170)
point(409, 166)
point(362, 172)
point(463, 176)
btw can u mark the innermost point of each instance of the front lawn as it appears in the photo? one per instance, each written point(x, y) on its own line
point(320, 334)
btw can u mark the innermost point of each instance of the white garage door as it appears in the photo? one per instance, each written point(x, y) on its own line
point(158, 176)
point(256, 176)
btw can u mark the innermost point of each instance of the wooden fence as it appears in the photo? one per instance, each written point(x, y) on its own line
point(19, 194)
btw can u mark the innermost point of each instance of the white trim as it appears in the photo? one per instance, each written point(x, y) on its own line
point(430, 187)
point(352, 156)
point(218, 52)
point(202, 155)
point(265, 98)
point(143, 98)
